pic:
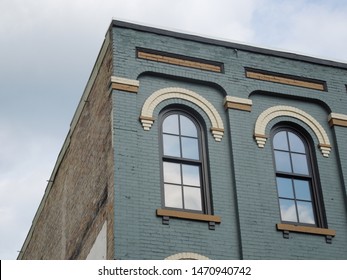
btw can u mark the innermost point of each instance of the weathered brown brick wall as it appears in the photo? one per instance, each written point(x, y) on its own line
point(81, 197)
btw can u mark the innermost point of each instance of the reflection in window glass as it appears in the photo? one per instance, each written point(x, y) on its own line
point(280, 141)
point(299, 164)
point(171, 145)
point(192, 198)
point(293, 178)
point(170, 124)
point(191, 175)
point(282, 161)
point(288, 210)
point(285, 188)
point(302, 190)
point(188, 128)
point(190, 148)
point(305, 212)
point(180, 137)
point(173, 196)
point(182, 163)
point(296, 144)
point(172, 173)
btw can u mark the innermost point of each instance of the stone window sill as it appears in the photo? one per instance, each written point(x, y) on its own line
point(286, 228)
point(166, 214)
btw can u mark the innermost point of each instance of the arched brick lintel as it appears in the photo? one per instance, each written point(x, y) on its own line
point(147, 119)
point(187, 256)
point(278, 111)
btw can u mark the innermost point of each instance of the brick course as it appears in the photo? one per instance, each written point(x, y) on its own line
point(81, 196)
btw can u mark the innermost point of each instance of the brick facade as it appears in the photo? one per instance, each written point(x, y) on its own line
point(111, 169)
point(80, 197)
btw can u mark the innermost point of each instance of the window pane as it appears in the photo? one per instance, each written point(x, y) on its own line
point(282, 161)
point(170, 124)
point(173, 196)
point(172, 173)
point(190, 148)
point(295, 143)
point(171, 145)
point(288, 211)
point(280, 141)
point(191, 175)
point(285, 188)
point(302, 190)
point(188, 128)
point(192, 198)
point(299, 164)
point(305, 211)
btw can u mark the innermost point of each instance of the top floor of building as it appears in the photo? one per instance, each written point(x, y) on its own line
point(250, 141)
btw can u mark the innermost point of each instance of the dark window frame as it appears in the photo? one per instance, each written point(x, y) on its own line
point(206, 199)
point(312, 177)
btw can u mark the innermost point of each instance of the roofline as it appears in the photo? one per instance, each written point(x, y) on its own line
point(238, 46)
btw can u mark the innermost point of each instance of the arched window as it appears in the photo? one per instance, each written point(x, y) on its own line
point(297, 183)
point(184, 175)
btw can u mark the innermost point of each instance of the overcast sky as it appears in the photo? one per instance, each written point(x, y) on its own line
point(48, 49)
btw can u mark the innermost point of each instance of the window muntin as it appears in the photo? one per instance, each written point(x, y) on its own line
point(184, 178)
point(296, 186)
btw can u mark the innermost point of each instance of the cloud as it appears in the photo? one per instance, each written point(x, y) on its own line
point(48, 49)
point(228, 19)
point(26, 162)
point(315, 28)
point(319, 29)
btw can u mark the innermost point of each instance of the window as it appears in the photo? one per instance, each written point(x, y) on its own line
point(297, 186)
point(184, 179)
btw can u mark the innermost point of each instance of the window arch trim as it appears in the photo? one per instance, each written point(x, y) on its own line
point(288, 111)
point(147, 119)
point(187, 256)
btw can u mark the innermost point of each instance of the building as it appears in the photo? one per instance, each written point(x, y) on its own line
point(190, 147)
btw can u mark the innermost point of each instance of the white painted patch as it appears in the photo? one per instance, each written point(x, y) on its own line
point(99, 249)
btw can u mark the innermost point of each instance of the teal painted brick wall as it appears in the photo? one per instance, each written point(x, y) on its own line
point(242, 175)
point(142, 234)
point(258, 204)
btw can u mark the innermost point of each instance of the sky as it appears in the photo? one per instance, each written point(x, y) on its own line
point(48, 49)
